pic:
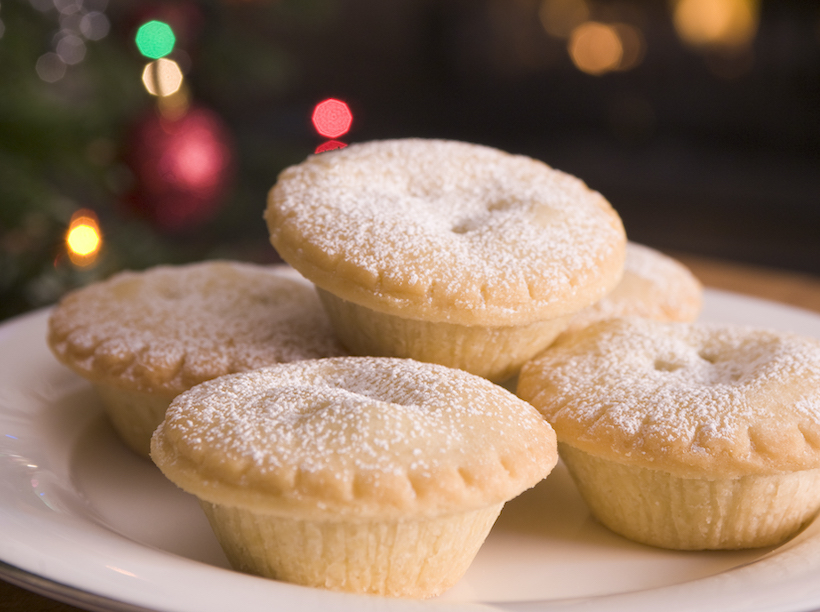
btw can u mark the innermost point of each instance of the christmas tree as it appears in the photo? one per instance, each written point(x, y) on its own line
point(117, 146)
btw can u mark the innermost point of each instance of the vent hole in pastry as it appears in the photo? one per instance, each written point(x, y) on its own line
point(466, 476)
point(508, 466)
point(170, 293)
point(500, 206)
point(667, 366)
point(471, 224)
point(485, 218)
point(707, 357)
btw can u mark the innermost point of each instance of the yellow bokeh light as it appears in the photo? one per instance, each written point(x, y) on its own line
point(596, 48)
point(727, 23)
point(174, 106)
point(162, 77)
point(83, 239)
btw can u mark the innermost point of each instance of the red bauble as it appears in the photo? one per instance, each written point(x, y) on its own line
point(181, 166)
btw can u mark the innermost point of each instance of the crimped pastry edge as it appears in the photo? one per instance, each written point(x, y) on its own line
point(127, 372)
point(772, 444)
point(653, 285)
point(495, 476)
point(356, 283)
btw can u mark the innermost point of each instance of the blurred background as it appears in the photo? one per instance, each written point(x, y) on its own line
point(138, 133)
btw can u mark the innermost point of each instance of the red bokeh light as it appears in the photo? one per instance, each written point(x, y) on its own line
point(332, 118)
point(330, 145)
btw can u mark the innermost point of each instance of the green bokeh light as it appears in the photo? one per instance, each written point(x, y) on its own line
point(155, 39)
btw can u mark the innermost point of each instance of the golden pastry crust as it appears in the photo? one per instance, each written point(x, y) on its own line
point(166, 329)
point(657, 508)
point(653, 285)
point(695, 401)
point(419, 558)
point(353, 438)
point(446, 231)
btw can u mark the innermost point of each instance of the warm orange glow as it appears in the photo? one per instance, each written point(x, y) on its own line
point(596, 48)
point(727, 23)
point(633, 45)
point(561, 17)
point(83, 238)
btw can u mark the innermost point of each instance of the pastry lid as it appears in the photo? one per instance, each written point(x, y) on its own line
point(446, 231)
point(694, 400)
point(355, 437)
point(168, 328)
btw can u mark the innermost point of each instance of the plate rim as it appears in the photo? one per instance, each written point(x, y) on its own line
point(52, 586)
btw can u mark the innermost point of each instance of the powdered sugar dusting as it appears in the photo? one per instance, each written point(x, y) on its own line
point(651, 265)
point(657, 389)
point(170, 327)
point(347, 418)
point(653, 285)
point(450, 222)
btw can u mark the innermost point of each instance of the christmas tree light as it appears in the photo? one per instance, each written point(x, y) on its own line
point(162, 77)
point(83, 238)
point(155, 39)
point(332, 118)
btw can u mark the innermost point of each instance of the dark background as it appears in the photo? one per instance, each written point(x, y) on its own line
point(711, 150)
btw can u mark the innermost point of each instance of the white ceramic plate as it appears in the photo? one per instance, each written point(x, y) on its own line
point(85, 521)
